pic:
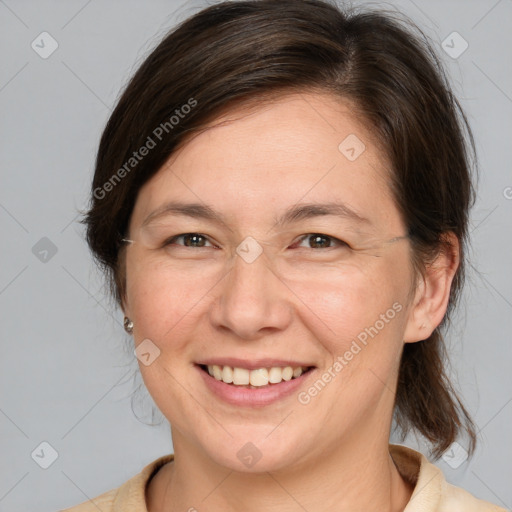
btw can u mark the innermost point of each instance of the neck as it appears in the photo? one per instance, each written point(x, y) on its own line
point(356, 476)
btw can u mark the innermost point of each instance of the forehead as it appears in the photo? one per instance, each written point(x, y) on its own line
point(257, 161)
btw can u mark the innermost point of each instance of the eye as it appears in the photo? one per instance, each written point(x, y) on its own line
point(320, 241)
point(198, 240)
point(193, 240)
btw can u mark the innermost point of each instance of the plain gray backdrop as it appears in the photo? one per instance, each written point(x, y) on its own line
point(67, 366)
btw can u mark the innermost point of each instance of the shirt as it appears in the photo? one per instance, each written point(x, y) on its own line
point(432, 493)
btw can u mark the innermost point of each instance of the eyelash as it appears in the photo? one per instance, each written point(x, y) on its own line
point(171, 240)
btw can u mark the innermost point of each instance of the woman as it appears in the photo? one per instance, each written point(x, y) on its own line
point(280, 203)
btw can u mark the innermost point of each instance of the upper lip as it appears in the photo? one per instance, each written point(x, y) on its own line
point(252, 364)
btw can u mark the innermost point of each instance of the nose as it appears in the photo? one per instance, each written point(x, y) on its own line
point(252, 301)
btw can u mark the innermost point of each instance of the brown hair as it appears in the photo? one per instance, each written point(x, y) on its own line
point(239, 51)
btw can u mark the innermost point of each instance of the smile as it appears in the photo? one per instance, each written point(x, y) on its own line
point(256, 386)
point(258, 377)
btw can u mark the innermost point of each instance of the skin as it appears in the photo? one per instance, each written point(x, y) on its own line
point(331, 454)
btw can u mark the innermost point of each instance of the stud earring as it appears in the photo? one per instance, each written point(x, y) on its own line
point(128, 325)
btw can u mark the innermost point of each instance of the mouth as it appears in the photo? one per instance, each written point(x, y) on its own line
point(255, 378)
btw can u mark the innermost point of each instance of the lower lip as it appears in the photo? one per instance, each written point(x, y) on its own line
point(253, 397)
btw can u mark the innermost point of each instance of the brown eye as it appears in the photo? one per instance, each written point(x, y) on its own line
point(189, 240)
point(320, 241)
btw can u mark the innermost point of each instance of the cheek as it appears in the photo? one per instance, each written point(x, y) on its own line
point(345, 301)
point(164, 302)
point(363, 325)
point(361, 332)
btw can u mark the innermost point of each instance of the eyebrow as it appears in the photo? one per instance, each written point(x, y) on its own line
point(295, 213)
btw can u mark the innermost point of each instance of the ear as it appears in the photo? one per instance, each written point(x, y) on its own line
point(433, 292)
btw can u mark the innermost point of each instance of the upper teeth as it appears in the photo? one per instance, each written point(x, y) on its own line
point(258, 377)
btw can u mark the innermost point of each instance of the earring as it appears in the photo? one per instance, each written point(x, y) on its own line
point(128, 325)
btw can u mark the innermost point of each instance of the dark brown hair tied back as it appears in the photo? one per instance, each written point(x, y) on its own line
point(238, 51)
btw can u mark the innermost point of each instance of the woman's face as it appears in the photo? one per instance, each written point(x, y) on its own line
point(251, 293)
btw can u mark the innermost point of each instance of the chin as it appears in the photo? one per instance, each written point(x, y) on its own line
point(256, 451)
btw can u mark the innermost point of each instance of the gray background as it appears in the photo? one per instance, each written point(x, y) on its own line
point(66, 365)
